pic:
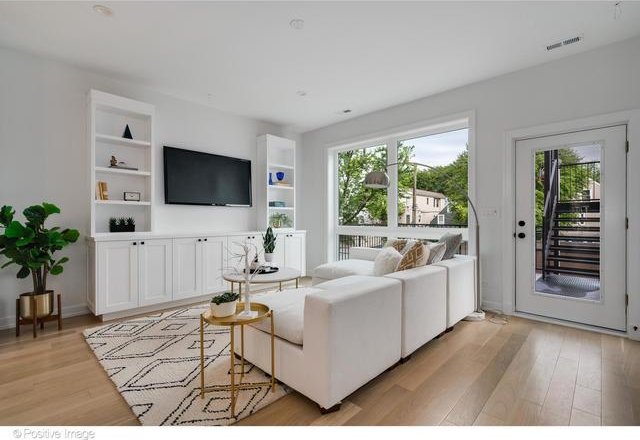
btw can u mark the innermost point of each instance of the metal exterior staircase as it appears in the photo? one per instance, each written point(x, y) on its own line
point(571, 230)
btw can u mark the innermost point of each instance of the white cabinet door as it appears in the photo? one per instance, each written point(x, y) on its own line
point(278, 254)
point(117, 276)
point(214, 261)
point(294, 251)
point(187, 268)
point(155, 271)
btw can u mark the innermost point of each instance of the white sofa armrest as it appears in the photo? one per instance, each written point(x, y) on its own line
point(461, 287)
point(352, 333)
point(363, 253)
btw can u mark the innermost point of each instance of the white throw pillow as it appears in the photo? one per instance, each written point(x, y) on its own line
point(386, 261)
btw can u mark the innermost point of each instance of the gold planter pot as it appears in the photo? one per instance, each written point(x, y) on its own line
point(44, 304)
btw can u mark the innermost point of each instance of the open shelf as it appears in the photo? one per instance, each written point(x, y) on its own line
point(121, 171)
point(121, 141)
point(280, 166)
point(280, 187)
point(120, 202)
point(109, 115)
point(281, 208)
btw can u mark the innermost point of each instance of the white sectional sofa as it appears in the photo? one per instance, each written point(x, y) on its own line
point(350, 326)
point(331, 338)
point(460, 279)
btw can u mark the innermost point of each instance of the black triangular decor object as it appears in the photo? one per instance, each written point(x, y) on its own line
point(127, 133)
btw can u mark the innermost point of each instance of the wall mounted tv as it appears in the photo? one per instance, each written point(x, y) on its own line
point(196, 178)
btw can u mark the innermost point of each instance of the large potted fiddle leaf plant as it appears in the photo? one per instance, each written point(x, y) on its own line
point(31, 246)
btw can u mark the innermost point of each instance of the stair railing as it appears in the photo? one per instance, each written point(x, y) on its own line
point(551, 190)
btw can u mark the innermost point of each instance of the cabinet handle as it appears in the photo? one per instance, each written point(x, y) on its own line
point(199, 239)
point(205, 239)
point(134, 243)
point(142, 242)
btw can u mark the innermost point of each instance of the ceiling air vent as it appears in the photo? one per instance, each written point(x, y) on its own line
point(566, 42)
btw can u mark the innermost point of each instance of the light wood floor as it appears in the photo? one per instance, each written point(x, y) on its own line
point(482, 373)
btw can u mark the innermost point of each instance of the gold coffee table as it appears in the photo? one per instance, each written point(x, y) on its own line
point(232, 321)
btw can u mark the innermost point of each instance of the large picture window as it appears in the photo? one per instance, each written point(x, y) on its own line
point(426, 196)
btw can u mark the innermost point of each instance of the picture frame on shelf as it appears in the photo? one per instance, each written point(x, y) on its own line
point(131, 196)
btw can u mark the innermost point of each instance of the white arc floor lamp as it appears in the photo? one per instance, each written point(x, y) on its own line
point(380, 180)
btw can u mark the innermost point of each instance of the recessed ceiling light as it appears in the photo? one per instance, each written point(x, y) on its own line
point(301, 93)
point(103, 10)
point(297, 23)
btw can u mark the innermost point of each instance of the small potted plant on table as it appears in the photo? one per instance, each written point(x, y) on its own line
point(224, 305)
point(269, 244)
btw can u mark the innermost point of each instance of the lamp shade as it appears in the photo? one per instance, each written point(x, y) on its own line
point(376, 179)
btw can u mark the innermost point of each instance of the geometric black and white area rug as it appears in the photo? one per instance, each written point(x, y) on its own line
point(154, 361)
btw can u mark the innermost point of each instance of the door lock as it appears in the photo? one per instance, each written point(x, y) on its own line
point(521, 235)
point(521, 223)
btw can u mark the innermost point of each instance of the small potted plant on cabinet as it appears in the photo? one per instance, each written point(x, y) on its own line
point(269, 244)
point(224, 304)
point(32, 246)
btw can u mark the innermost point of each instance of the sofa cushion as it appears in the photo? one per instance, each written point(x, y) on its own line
point(386, 261)
point(453, 243)
point(288, 313)
point(343, 268)
point(414, 257)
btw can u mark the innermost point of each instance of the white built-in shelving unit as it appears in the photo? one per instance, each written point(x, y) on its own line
point(108, 117)
point(276, 155)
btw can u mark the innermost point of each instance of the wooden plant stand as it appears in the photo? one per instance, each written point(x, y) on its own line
point(34, 321)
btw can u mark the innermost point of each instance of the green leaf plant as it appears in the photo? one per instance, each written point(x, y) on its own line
point(31, 246)
point(269, 241)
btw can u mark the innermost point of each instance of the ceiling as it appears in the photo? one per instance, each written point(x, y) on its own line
point(245, 58)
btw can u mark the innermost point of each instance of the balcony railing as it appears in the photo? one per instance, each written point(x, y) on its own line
point(346, 242)
point(579, 181)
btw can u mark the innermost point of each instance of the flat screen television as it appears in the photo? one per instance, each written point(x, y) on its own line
point(197, 178)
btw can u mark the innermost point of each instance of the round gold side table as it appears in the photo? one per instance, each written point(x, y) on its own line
point(232, 321)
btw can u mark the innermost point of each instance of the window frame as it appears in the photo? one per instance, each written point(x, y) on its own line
point(391, 138)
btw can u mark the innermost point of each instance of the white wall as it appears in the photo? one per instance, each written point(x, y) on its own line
point(601, 81)
point(44, 157)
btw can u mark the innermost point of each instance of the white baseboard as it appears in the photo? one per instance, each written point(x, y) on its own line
point(67, 312)
point(492, 306)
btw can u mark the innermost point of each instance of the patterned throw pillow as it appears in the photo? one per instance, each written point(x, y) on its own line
point(436, 252)
point(413, 257)
point(452, 242)
point(396, 243)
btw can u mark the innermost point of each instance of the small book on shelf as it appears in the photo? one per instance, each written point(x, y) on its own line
point(102, 193)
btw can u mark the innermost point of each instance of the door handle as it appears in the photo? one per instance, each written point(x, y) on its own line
point(521, 235)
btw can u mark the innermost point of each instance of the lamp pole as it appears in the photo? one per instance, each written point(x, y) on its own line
point(414, 213)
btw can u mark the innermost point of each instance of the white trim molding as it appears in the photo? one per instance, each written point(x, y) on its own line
point(632, 119)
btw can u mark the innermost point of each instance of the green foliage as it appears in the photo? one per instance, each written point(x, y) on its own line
point(357, 203)
point(572, 182)
point(226, 297)
point(280, 220)
point(31, 246)
point(452, 181)
point(269, 241)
